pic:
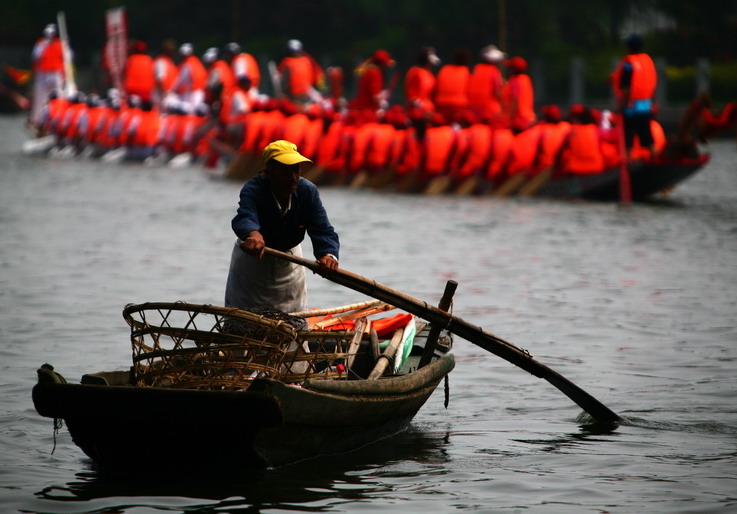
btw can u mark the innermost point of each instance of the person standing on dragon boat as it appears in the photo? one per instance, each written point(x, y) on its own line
point(277, 208)
point(634, 82)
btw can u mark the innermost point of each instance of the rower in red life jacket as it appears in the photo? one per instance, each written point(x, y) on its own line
point(244, 67)
point(486, 85)
point(191, 78)
point(220, 77)
point(554, 131)
point(581, 152)
point(634, 82)
point(48, 70)
point(139, 78)
point(451, 87)
point(301, 76)
point(165, 72)
point(419, 82)
point(519, 95)
point(144, 133)
point(371, 92)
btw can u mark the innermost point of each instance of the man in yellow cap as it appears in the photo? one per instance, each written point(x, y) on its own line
point(277, 207)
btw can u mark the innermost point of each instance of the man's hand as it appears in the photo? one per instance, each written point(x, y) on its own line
point(328, 261)
point(254, 244)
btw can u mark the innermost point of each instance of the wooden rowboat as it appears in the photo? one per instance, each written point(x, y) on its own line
point(170, 410)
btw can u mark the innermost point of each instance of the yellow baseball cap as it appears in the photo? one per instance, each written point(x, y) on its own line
point(284, 152)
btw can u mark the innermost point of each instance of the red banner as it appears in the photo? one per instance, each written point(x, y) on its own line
point(116, 46)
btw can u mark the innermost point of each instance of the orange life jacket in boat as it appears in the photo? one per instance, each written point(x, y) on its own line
point(659, 140)
point(519, 101)
point(552, 138)
point(139, 76)
point(524, 150)
point(419, 85)
point(644, 78)
point(485, 88)
point(451, 87)
point(224, 74)
point(581, 153)
point(479, 136)
point(300, 74)
point(328, 149)
point(501, 148)
point(437, 149)
point(197, 73)
point(148, 131)
point(378, 153)
point(165, 72)
point(235, 105)
point(245, 65)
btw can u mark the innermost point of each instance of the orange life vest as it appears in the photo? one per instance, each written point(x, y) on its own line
point(148, 130)
point(300, 73)
point(95, 117)
point(139, 76)
point(552, 138)
point(519, 101)
point(225, 74)
point(246, 65)
point(644, 78)
point(524, 150)
point(328, 149)
point(406, 152)
point(581, 153)
point(70, 123)
point(501, 149)
point(479, 136)
point(295, 127)
point(57, 107)
point(51, 58)
point(484, 89)
point(228, 113)
point(254, 121)
point(437, 149)
point(197, 73)
point(451, 87)
point(378, 153)
point(659, 140)
point(419, 86)
point(165, 72)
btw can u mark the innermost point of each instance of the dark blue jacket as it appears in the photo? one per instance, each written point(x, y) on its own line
point(257, 210)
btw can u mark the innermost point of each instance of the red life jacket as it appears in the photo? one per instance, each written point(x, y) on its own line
point(501, 148)
point(519, 101)
point(359, 146)
point(57, 107)
point(644, 78)
point(95, 117)
point(479, 137)
point(246, 65)
point(148, 130)
point(197, 73)
point(70, 123)
point(254, 122)
point(125, 118)
point(581, 153)
point(437, 149)
point(524, 150)
point(551, 140)
point(639, 152)
point(139, 76)
point(228, 114)
point(378, 153)
point(485, 84)
point(164, 65)
point(225, 74)
point(105, 137)
point(451, 87)
point(311, 140)
point(272, 129)
point(419, 86)
point(295, 127)
point(328, 149)
point(51, 58)
point(370, 84)
point(300, 72)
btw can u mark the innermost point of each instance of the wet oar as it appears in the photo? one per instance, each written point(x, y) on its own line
point(536, 182)
point(461, 328)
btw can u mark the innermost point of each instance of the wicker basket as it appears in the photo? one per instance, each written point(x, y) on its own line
point(193, 346)
point(204, 347)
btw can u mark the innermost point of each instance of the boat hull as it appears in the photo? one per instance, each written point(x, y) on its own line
point(647, 179)
point(120, 426)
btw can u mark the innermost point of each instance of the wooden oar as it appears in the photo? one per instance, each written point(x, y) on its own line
point(535, 183)
point(509, 186)
point(625, 187)
point(461, 328)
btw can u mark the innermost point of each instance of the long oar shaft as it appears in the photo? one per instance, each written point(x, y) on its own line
point(461, 328)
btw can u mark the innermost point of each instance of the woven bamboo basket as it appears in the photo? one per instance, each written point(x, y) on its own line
point(191, 346)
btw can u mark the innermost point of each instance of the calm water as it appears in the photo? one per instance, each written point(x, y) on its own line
point(637, 306)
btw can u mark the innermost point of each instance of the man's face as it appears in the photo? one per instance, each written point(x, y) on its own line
point(283, 179)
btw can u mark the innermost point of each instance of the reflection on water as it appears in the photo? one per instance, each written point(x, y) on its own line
point(316, 484)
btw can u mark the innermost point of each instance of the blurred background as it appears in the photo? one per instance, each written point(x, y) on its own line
point(571, 45)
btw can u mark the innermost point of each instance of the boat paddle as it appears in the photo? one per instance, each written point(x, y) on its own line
point(521, 358)
point(625, 186)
